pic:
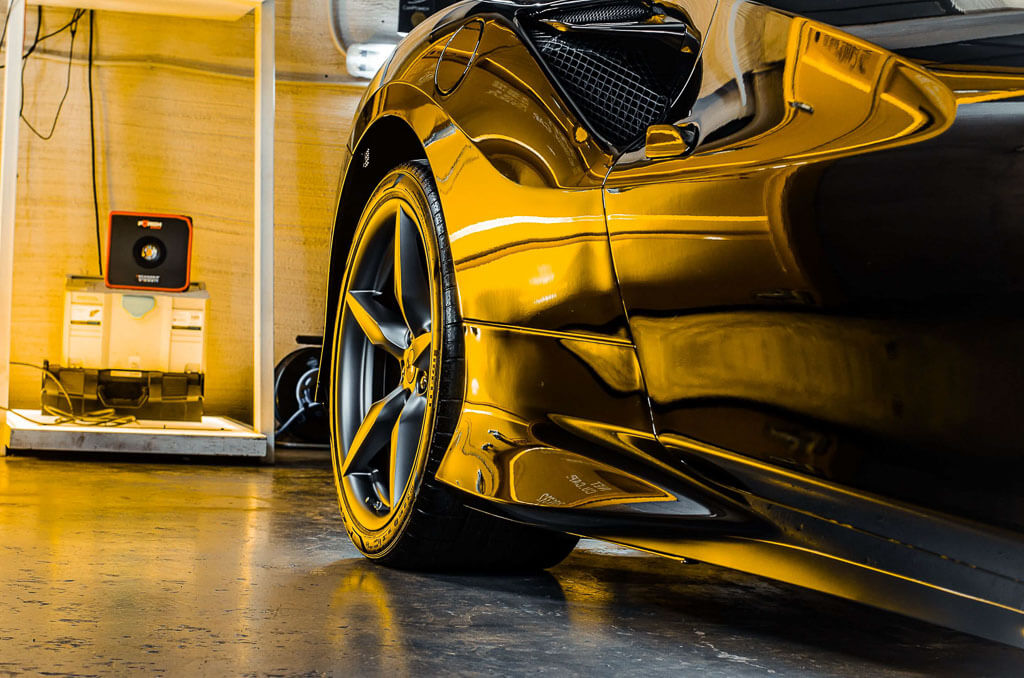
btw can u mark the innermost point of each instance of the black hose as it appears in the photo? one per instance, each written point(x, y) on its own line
point(92, 150)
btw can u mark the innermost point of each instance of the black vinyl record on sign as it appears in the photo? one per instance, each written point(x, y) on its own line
point(149, 251)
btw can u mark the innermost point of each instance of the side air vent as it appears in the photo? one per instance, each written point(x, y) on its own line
point(602, 14)
point(615, 87)
point(621, 64)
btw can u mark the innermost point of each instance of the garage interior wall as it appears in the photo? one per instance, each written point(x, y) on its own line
point(174, 117)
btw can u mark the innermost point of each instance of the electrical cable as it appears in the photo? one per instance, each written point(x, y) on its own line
point(7, 18)
point(73, 27)
point(292, 419)
point(35, 40)
point(78, 14)
point(92, 150)
point(104, 417)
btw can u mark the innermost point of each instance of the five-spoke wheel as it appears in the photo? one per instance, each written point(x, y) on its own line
point(397, 377)
point(386, 342)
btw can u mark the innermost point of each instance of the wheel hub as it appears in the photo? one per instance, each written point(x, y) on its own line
point(410, 375)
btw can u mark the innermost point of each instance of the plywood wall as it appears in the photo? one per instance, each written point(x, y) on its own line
point(174, 115)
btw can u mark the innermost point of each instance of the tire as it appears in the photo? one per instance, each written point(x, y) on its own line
point(296, 412)
point(387, 441)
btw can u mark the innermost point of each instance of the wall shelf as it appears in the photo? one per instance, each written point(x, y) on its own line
point(224, 10)
point(120, 439)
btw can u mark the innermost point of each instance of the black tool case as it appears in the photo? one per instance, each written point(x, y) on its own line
point(144, 394)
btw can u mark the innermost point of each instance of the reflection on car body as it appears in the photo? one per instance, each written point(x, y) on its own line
point(792, 348)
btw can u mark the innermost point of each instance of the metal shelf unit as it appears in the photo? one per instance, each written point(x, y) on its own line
point(114, 439)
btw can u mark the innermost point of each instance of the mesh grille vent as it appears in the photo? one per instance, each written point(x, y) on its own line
point(617, 12)
point(615, 86)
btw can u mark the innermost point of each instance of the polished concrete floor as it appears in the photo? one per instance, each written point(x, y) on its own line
point(111, 567)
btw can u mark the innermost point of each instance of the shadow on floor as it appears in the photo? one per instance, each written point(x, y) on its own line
point(118, 566)
point(598, 612)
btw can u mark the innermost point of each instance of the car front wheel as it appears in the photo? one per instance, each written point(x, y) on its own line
point(396, 390)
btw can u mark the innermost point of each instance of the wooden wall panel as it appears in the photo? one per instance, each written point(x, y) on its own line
point(174, 111)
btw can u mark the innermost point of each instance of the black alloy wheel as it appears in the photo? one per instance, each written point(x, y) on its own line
point(387, 349)
point(396, 388)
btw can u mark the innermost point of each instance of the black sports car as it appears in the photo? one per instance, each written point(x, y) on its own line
point(709, 279)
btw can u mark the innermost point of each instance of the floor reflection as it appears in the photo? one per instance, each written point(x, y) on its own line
point(114, 567)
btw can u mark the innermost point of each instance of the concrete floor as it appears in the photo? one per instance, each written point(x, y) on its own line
point(110, 567)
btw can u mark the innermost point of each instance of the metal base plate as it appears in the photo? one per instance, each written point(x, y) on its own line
point(211, 436)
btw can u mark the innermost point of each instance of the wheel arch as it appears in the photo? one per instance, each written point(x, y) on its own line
point(389, 140)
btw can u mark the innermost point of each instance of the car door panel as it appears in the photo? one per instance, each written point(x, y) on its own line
point(766, 328)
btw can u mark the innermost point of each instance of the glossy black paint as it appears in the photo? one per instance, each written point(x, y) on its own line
point(818, 308)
